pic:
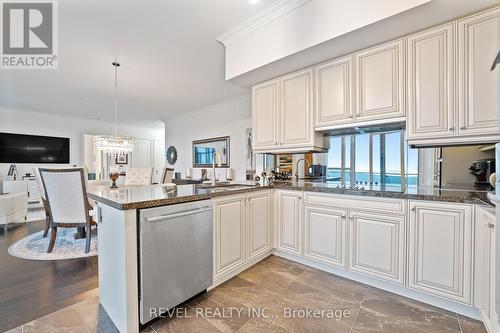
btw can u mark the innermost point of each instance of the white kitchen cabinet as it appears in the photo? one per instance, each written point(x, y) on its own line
point(440, 249)
point(289, 221)
point(282, 115)
point(379, 82)
point(229, 234)
point(296, 107)
point(478, 86)
point(431, 97)
point(265, 114)
point(325, 234)
point(377, 245)
point(259, 217)
point(333, 93)
point(484, 265)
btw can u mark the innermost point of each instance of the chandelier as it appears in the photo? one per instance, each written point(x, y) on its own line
point(114, 145)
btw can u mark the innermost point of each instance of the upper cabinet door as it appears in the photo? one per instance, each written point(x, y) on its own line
point(296, 108)
point(430, 83)
point(478, 45)
point(265, 114)
point(379, 82)
point(334, 93)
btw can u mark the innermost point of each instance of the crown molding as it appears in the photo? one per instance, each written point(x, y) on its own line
point(260, 19)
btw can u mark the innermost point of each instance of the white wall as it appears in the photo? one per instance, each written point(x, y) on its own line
point(310, 24)
point(456, 163)
point(230, 118)
point(37, 123)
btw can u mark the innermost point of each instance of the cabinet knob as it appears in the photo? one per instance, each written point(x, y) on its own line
point(462, 127)
point(451, 128)
point(343, 216)
point(413, 208)
point(351, 116)
point(490, 225)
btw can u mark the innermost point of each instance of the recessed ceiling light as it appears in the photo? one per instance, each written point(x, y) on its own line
point(253, 2)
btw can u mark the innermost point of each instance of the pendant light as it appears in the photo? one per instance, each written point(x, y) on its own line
point(115, 145)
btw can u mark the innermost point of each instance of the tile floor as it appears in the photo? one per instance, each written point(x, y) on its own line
point(274, 296)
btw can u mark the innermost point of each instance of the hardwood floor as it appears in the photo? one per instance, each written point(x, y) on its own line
point(31, 289)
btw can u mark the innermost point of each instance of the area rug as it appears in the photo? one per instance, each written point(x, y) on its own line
point(34, 246)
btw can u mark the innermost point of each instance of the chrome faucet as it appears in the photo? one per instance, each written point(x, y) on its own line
point(297, 167)
point(215, 156)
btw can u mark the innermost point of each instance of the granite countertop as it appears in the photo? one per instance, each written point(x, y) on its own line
point(137, 197)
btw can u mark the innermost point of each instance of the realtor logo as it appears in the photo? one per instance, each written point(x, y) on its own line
point(29, 34)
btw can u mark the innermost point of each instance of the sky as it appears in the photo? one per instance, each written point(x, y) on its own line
point(362, 147)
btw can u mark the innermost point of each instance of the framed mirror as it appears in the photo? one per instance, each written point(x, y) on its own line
point(204, 150)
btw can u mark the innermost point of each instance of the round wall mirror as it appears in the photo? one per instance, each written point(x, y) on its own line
point(171, 155)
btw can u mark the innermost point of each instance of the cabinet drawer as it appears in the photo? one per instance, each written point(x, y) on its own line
point(350, 201)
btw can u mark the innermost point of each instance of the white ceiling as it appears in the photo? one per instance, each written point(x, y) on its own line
point(171, 61)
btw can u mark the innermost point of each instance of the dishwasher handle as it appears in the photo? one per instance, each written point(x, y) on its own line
point(180, 214)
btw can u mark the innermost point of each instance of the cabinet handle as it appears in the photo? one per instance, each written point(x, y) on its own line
point(99, 212)
point(489, 225)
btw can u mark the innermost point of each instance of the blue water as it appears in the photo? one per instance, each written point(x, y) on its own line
point(390, 179)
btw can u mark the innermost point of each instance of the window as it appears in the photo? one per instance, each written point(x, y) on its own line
point(382, 158)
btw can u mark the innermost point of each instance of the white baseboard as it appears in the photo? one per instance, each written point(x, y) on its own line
point(439, 302)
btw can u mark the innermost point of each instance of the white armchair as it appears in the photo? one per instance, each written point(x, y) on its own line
point(13, 207)
point(139, 176)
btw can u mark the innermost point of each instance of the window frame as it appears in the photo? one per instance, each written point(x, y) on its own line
point(351, 140)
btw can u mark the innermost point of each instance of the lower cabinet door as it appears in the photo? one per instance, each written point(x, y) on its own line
point(289, 221)
point(229, 234)
point(441, 249)
point(259, 223)
point(325, 235)
point(377, 245)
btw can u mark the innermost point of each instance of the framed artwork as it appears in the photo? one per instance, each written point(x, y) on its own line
point(121, 159)
point(204, 150)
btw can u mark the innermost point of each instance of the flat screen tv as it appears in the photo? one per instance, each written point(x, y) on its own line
point(20, 148)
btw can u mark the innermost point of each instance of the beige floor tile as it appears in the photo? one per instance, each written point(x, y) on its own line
point(255, 325)
point(65, 320)
point(373, 322)
point(95, 317)
point(188, 323)
point(471, 326)
point(413, 313)
point(337, 287)
point(221, 311)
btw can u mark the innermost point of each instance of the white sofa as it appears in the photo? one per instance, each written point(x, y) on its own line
point(13, 207)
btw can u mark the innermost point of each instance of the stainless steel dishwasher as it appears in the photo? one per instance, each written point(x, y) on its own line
point(175, 255)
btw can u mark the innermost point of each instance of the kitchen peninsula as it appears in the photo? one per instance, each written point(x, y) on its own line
point(371, 235)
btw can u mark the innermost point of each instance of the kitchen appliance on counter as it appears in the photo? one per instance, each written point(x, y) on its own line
point(482, 170)
point(316, 170)
point(175, 256)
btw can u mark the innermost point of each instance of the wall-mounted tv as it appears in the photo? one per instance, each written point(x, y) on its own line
point(20, 148)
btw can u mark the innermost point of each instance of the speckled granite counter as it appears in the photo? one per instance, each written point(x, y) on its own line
point(136, 197)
